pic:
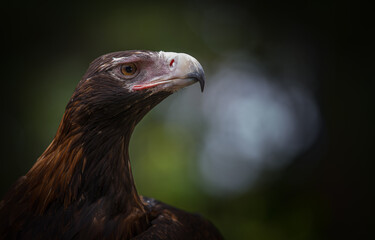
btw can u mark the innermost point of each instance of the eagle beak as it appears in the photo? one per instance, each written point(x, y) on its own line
point(182, 70)
point(187, 70)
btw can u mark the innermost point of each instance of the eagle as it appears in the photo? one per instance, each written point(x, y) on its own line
point(82, 187)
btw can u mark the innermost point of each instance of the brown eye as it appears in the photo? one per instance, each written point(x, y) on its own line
point(128, 69)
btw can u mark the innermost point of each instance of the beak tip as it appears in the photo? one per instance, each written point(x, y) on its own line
point(201, 77)
point(198, 76)
point(201, 83)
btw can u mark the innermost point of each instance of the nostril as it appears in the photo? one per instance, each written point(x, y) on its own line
point(172, 63)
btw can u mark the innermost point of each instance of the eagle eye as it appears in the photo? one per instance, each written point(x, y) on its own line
point(128, 69)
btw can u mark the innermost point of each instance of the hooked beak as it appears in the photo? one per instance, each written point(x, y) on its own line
point(183, 70)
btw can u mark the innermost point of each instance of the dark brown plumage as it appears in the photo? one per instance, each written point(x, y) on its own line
point(82, 187)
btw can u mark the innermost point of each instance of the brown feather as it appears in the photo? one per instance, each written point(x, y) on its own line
point(82, 186)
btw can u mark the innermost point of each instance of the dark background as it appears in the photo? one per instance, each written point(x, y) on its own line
point(323, 193)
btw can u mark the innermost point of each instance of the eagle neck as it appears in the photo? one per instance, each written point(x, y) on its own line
point(87, 163)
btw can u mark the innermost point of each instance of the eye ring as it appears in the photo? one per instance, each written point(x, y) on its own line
point(129, 69)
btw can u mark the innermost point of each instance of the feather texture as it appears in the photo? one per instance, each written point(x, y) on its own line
point(82, 186)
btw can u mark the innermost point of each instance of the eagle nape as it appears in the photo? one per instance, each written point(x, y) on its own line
point(82, 186)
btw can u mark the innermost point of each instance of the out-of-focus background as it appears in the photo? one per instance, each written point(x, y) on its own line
point(279, 146)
